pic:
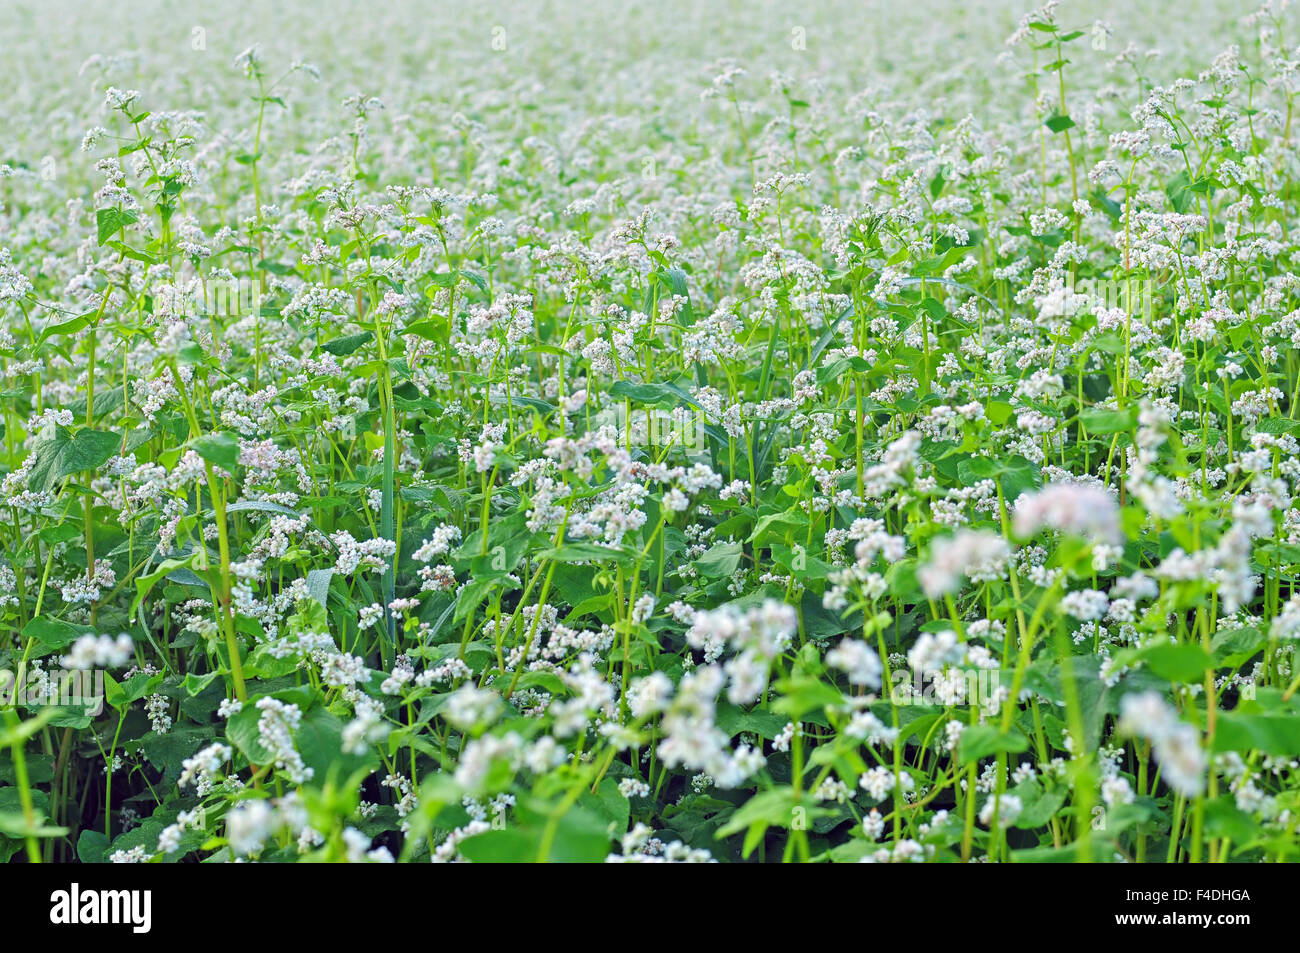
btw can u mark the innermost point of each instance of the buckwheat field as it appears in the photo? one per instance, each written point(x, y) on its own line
point(566, 432)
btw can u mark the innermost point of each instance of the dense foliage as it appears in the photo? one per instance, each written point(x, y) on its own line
point(569, 449)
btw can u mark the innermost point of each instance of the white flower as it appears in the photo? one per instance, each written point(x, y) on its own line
point(979, 555)
point(859, 660)
point(1177, 745)
point(1078, 509)
point(99, 651)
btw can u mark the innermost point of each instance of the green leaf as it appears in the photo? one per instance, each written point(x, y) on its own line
point(167, 752)
point(341, 347)
point(1278, 425)
point(507, 846)
point(799, 698)
point(720, 561)
point(1016, 474)
point(241, 729)
point(262, 506)
point(578, 836)
point(318, 585)
point(998, 412)
point(121, 694)
point(55, 633)
point(584, 553)
point(220, 448)
point(1224, 819)
point(13, 824)
point(91, 846)
point(1232, 647)
point(764, 723)
point(1180, 193)
point(775, 526)
point(195, 684)
point(20, 732)
point(981, 741)
point(146, 582)
point(774, 808)
point(1274, 734)
point(1100, 420)
point(133, 253)
point(609, 804)
point(71, 326)
point(1178, 663)
point(60, 453)
point(1039, 806)
point(658, 395)
point(109, 221)
point(319, 739)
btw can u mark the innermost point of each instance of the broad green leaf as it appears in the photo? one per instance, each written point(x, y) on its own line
point(60, 452)
point(220, 448)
